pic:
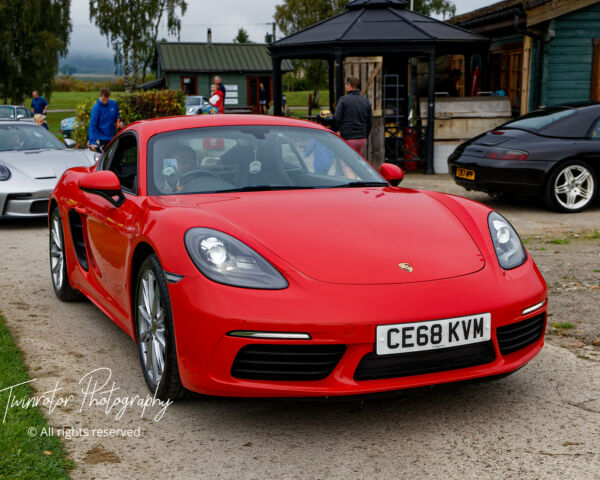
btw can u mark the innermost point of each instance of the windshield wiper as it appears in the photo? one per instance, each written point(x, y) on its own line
point(356, 184)
point(261, 188)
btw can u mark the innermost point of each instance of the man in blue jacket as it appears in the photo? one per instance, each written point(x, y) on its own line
point(104, 120)
point(38, 103)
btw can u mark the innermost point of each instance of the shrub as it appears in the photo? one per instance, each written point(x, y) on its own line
point(67, 83)
point(133, 106)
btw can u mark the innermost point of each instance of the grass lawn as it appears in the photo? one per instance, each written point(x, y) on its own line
point(300, 99)
point(53, 120)
point(21, 456)
point(66, 100)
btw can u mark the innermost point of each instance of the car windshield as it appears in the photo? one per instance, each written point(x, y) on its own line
point(27, 137)
point(248, 158)
point(7, 112)
point(193, 101)
point(540, 119)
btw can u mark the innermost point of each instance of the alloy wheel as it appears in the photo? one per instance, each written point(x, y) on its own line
point(574, 187)
point(57, 263)
point(151, 327)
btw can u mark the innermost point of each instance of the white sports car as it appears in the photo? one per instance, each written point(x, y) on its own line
point(31, 162)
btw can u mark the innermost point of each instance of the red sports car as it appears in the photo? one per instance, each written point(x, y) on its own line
point(261, 256)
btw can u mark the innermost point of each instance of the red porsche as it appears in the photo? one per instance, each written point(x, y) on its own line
point(263, 257)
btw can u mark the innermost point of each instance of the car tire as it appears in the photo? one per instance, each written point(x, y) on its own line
point(571, 187)
point(58, 260)
point(154, 332)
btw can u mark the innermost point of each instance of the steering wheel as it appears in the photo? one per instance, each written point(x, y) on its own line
point(196, 172)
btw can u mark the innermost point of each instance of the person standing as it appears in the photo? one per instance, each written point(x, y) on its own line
point(354, 116)
point(216, 98)
point(262, 98)
point(104, 121)
point(219, 83)
point(38, 103)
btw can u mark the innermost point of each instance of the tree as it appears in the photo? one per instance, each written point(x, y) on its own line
point(242, 36)
point(68, 69)
point(132, 26)
point(294, 15)
point(445, 8)
point(34, 35)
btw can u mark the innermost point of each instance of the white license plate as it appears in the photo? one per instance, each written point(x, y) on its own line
point(446, 333)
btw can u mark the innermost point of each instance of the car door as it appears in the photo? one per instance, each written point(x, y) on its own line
point(111, 229)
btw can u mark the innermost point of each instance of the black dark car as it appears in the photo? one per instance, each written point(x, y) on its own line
point(553, 153)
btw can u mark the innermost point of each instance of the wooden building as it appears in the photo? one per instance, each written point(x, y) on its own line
point(191, 67)
point(542, 52)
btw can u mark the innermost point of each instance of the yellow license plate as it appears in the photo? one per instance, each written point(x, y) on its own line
point(464, 173)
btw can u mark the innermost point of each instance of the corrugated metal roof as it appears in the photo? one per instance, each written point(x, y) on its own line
point(215, 57)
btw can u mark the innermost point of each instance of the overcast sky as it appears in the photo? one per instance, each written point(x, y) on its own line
point(224, 17)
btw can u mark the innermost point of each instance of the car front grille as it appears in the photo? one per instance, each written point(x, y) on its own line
point(39, 206)
point(286, 362)
point(373, 366)
point(521, 334)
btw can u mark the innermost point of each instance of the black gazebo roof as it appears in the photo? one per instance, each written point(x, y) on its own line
point(368, 26)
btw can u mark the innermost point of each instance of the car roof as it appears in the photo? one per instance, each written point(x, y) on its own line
point(165, 124)
point(14, 106)
point(576, 105)
point(4, 121)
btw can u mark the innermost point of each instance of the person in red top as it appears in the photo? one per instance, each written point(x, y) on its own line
point(216, 98)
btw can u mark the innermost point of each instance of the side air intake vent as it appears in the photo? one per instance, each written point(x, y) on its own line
point(78, 240)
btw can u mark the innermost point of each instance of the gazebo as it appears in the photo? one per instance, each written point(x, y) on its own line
point(377, 27)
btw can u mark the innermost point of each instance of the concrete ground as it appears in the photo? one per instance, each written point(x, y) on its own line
point(543, 422)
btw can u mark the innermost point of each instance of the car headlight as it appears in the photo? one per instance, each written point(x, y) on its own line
point(226, 260)
point(509, 249)
point(63, 123)
point(4, 173)
point(191, 109)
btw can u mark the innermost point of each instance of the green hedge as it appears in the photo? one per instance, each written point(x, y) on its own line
point(133, 106)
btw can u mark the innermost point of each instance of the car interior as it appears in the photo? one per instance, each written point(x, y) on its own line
point(207, 160)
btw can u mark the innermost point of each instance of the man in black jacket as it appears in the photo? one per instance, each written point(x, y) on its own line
point(354, 116)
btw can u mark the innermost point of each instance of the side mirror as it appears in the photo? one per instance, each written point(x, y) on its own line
point(69, 142)
point(392, 173)
point(104, 183)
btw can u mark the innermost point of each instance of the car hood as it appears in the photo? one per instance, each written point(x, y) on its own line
point(350, 236)
point(43, 164)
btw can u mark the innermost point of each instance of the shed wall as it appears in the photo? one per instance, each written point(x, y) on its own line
point(568, 57)
point(205, 82)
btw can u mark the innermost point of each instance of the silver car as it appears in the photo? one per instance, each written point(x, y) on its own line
point(15, 112)
point(31, 162)
point(194, 105)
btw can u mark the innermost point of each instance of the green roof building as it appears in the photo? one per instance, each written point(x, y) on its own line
point(192, 66)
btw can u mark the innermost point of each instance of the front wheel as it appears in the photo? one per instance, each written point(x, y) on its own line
point(571, 187)
point(154, 332)
point(58, 260)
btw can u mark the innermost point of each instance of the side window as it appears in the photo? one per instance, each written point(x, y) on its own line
point(595, 134)
point(24, 112)
point(106, 156)
point(124, 162)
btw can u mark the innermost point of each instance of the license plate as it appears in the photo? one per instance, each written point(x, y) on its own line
point(430, 335)
point(465, 173)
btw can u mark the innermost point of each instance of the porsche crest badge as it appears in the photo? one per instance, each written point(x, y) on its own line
point(407, 267)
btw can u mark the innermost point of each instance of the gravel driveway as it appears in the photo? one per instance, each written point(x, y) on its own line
point(542, 422)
